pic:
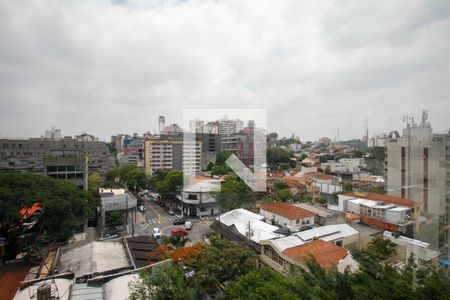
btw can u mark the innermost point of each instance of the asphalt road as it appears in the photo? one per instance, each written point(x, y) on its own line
point(155, 216)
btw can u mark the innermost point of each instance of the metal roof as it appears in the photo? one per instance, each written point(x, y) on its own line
point(82, 291)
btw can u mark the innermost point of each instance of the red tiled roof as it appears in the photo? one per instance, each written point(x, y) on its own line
point(325, 253)
point(384, 198)
point(287, 210)
point(27, 211)
point(10, 281)
point(297, 182)
point(351, 216)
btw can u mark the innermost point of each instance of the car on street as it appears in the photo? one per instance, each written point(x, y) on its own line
point(177, 231)
point(188, 225)
point(171, 211)
point(179, 221)
point(156, 233)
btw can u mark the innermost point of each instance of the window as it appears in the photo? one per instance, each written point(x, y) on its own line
point(273, 255)
point(297, 221)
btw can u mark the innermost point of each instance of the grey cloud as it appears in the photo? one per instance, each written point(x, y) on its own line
point(107, 67)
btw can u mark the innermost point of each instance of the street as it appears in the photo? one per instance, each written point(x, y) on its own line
point(155, 216)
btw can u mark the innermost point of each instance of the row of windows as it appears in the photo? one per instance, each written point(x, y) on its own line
point(273, 255)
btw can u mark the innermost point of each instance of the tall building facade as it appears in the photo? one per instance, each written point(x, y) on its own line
point(161, 123)
point(62, 158)
point(418, 168)
point(228, 126)
point(173, 154)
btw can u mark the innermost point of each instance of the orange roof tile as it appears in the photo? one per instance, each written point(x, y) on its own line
point(295, 181)
point(28, 211)
point(325, 253)
point(351, 217)
point(287, 210)
point(385, 198)
point(10, 280)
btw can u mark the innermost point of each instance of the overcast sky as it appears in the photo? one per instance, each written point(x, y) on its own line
point(114, 67)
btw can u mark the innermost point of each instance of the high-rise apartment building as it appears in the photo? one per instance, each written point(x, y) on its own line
point(161, 123)
point(418, 168)
point(228, 126)
point(173, 154)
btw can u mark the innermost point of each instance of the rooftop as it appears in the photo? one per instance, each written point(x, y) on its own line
point(287, 210)
point(385, 198)
point(326, 254)
point(94, 257)
point(320, 211)
point(328, 232)
point(243, 219)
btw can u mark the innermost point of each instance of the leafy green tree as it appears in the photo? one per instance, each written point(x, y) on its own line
point(358, 154)
point(233, 193)
point(168, 283)
point(277, 157)
point(220, 170)
point(263, 283)
point(284, 195)
point(323, 159)
point(94, 184)
point(280, 185)
point(222, 156)
point(209, 166)
point(115, 218)
point(220, 262)
point(382, 248)
point(65, 205)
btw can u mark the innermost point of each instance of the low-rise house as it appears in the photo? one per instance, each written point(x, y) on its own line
point(245, 227)
point(324, 216)
point(325, 253)
point(287, 215)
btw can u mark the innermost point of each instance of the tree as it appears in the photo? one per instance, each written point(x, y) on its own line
point(94, 184)
point(263, 283)
point(169, 282)
point(358, 154)
point(115, 218)
point(280, 185)
point(220, 262)
point(65, 206)
point(209, 166)
point(277, 157)
point(220, 170)
point(222, 156)
point(233, 193)
point(284, 195)
point(323, 159)
point(382, 248)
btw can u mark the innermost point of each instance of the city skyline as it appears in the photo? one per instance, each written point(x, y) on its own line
point(313, 66)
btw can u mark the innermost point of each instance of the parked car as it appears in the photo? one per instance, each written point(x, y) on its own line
point(141, 208)
point(177, 231)
point(156, 233)
point(188, 225)
point(180, 221)
point(171, 211)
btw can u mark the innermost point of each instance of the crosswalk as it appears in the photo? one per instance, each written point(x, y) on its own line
point(161, 219)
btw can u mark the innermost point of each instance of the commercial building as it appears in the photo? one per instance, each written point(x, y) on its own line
point(59, 157)
point(418, 168)
point(198, 200)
